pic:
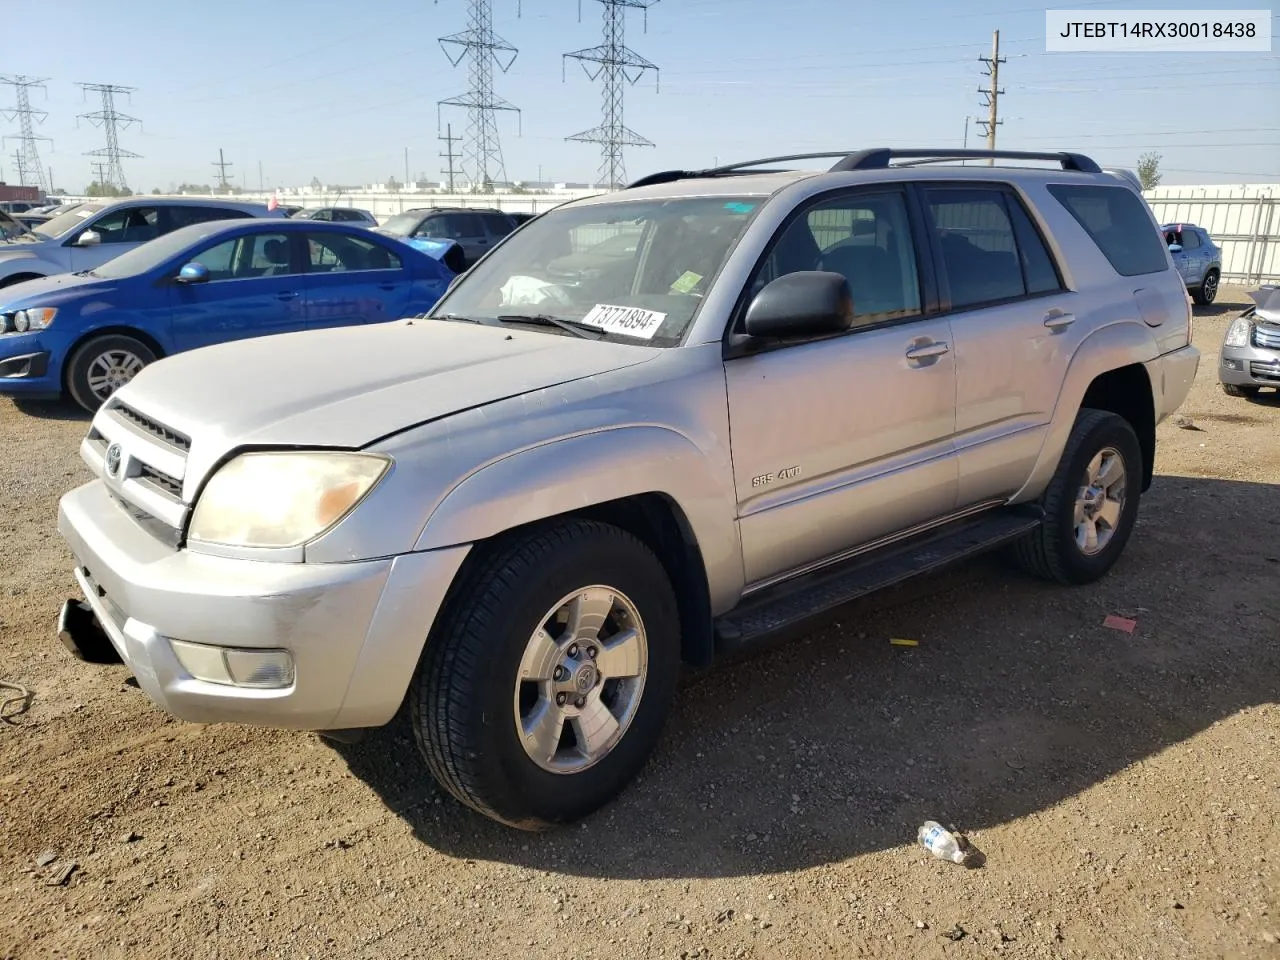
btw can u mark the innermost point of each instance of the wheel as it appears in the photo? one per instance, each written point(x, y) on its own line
point(1090, 504)
point(545, 686)
point(103, 365)
point(1208, 289)
point(1234, 390)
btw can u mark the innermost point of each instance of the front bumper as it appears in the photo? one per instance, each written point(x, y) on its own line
point(354, 630)
point(25, 368)
point(1249, 367)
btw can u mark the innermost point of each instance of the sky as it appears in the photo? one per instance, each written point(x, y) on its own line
point(295, 89)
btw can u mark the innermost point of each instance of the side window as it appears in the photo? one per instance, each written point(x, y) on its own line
point(1116, 219)
point(331, 253)
point(1190, 240)
point(345, 216)
point(247, 257)
point(130, 225)
point(979, 250)
point(1038, 270)
point(867, 238)
point(185, 216)
point(499, 226)
point(443, 226)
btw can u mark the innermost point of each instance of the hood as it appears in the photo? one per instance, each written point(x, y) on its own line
point(1268, 303)
point(50, 291)
point(348, 386)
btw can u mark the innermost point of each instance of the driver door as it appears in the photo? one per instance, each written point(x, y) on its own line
point(840, 441)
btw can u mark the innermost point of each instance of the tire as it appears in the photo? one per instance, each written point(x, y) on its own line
point(466, 697)
point(114, 352)
point(1051, 551)
point(1235, 390)
point(1207, 292)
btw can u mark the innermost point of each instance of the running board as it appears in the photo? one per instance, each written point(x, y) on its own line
point(791, 603)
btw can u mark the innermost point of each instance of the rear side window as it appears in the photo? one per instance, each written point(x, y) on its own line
point(1190, 240)
point(498, 225)
point(185, 216)
point(1116, 220)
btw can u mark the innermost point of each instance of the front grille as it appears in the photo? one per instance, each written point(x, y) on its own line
point(1265, 371)
point(170, 437)
point(1267, 336)
point(161, 481)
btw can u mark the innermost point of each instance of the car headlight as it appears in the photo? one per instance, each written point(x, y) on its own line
point(282, 499)
point(1238, 333)
point(38, 318)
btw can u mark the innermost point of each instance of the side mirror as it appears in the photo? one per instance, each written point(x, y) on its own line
point(1175, 248)
point(810, 303)
point(90, 238)
point(193, 272)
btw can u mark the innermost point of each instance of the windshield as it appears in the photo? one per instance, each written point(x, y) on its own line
point(68, 221)
point(402, 224)
point(10, 228)
point(636, 269)
point(150, 255)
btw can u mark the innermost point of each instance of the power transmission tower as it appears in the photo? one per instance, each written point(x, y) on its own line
point(110, 120)
point(992, 93)
point(449, 140)
point(615, 62)
point(483, 49)
point(222, 166)
point(30, 171)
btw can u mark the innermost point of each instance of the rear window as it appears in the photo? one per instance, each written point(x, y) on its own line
point(1116, 219)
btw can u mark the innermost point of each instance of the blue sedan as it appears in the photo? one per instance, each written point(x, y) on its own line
point(87, 334)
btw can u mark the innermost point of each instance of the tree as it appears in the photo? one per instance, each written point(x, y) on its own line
point(1149, 170)
point(96, 189)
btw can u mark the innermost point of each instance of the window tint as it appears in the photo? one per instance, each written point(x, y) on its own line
point(1190, 240)
point(979, 251)
point(255, 255)
point(867, 238)
point(131, 225)
point(185, 216)
point(1037, 265)
point(331, 253)
point(1114, 217)
point(498, 225)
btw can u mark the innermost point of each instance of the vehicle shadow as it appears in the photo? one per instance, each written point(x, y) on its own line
point(840, 743)
point(53, 409)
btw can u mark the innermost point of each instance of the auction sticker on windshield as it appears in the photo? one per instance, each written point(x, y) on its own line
point(628, 321)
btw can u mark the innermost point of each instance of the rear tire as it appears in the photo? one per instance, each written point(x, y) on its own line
point(1208, 290)
point(1087, 494)
point(485, 704)
point(1235, 390)
point(102, 365)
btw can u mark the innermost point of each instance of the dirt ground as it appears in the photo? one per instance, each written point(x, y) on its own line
point(1122, 788)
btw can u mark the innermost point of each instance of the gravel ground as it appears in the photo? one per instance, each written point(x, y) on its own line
point(1121, 787)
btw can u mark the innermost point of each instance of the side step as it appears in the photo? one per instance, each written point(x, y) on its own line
point(789, 604)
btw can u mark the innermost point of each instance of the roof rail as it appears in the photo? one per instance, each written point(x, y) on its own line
point(731, 169)
point(878, 158)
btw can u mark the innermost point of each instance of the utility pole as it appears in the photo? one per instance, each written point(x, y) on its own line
point(992, 93)
point(100, 173)
point(261, 187)
point(406, 166)
point(110, 120)
point(449, 140)
point(222, 166)
point(30, 170)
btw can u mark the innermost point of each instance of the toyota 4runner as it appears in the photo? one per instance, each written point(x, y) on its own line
point(757, 394)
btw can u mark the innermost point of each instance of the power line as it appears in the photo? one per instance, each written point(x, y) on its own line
point(615, 62)
point(110, 120)
point(992, 93)
point(222, 165)
point(449, 140)
point(27, 158)
point(482, 48)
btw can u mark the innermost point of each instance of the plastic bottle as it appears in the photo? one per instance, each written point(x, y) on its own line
point(940, 842)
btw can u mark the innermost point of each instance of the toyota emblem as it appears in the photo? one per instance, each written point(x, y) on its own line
point(113, 459)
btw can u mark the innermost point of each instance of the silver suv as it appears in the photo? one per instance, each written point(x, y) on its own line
point(778, 390)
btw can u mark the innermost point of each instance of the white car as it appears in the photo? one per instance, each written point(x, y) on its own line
point(98, 231)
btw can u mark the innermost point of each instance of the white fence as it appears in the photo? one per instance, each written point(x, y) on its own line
point(1244, 220)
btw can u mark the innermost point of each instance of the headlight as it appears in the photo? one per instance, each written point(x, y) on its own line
point(38, 318)
point(20, 321)
point(1238, 333)
point(282, 499)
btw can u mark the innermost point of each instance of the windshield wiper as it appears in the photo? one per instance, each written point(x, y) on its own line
point(575, 327)
point(84, 273)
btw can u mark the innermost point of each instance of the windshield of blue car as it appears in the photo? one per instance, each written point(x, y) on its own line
point(401, 225)
point(150, 255)
point(635, 270)
point(66, 222)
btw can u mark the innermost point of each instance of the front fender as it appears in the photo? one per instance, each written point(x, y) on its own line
point(1110, 347)
point(28, 263)
point(576, 472)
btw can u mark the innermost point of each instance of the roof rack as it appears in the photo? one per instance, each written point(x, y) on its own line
point(872, 159)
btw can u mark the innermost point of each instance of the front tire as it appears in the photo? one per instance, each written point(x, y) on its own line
point(102, 365)
point(1235, 390)
point(546, 684)
point(1090, 504)
point(1208, 291)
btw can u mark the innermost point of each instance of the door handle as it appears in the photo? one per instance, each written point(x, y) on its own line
point(1059, 321)
point(286, 294)
point(927, 350)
